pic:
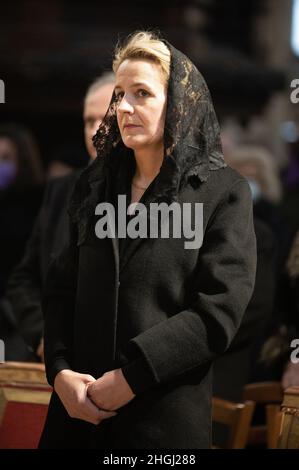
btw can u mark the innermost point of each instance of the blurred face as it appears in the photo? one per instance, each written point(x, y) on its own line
point(142, 94)
point(8, 151)
point(95, 107)
point(8, 162)
point(247, 169)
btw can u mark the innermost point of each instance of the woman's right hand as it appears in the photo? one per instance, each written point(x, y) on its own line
point(71, 387)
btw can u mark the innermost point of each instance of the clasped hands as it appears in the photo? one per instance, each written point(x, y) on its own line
point(89, 399)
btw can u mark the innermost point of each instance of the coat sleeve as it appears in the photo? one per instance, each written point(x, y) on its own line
point(225, 276)
point(58, 304)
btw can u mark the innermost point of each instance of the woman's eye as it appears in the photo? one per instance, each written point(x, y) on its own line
point(143, 93)
point(119, 95)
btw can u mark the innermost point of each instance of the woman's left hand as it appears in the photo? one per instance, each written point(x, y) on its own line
point(111, 391)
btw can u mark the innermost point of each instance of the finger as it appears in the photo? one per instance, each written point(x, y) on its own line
point(94, 418)
point(88, 385)
point(107, 414)
point(100, 416)
point(88, 378)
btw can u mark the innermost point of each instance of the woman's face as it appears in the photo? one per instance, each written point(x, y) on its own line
point(141, 108)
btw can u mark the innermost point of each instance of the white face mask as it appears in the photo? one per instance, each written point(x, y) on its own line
point(255, 189)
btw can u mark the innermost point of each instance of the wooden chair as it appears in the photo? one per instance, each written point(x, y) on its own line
point(270, 396)
point(274, 421)
point(24, 399)
point(289, 435)
point(237, 416)
point(23, 372)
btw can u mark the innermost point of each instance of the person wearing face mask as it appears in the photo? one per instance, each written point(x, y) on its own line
point(24, 287)
point(21, 180)
point(235, 368)
point(134, 323)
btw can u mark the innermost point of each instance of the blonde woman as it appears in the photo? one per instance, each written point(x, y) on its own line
point(133, 323)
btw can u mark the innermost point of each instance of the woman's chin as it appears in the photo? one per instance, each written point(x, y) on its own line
point(134, 142)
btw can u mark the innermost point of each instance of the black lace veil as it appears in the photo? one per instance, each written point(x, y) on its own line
point(191, 140)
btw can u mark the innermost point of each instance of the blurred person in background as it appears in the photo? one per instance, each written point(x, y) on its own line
point(258, 166)
point(65, 159)
point(24, 289)
point(21, 186)
point(271, 357)
point(290, 376)
point(275, 361)
point(233, 370)
point(290, 177)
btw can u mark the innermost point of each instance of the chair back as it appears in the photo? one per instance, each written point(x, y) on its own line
point(269, 396)
point(289, 433)
point(237, 416)
point(23, 372)
point(24, 399)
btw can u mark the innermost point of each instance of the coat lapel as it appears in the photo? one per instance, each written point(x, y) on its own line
point(114, 240)
point(200, 172)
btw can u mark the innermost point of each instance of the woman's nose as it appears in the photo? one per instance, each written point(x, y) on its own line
point(125, 105)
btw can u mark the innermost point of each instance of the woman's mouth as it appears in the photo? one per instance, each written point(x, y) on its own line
point(130, 125)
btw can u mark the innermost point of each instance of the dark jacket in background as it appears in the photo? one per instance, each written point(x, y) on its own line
point(234, 368)
point(18, 210)
point(24, 287)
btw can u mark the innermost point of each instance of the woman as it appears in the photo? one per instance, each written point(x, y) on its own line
point(132, 325)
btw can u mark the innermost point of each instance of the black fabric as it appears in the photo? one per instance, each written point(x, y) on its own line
point(18, 210)
point(160, 308)
point(25, 284)
point(122, 185)
point(136, 372)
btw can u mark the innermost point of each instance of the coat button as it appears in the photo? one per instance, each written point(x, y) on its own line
point(118, 283)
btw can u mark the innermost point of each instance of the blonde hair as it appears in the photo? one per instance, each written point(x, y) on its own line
point(144, 45)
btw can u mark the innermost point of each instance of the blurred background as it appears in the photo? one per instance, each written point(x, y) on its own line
point(50, 51)
point(248, 52)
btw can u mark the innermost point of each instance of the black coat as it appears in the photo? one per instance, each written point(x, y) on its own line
point(161, 312)
point(179, 308)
